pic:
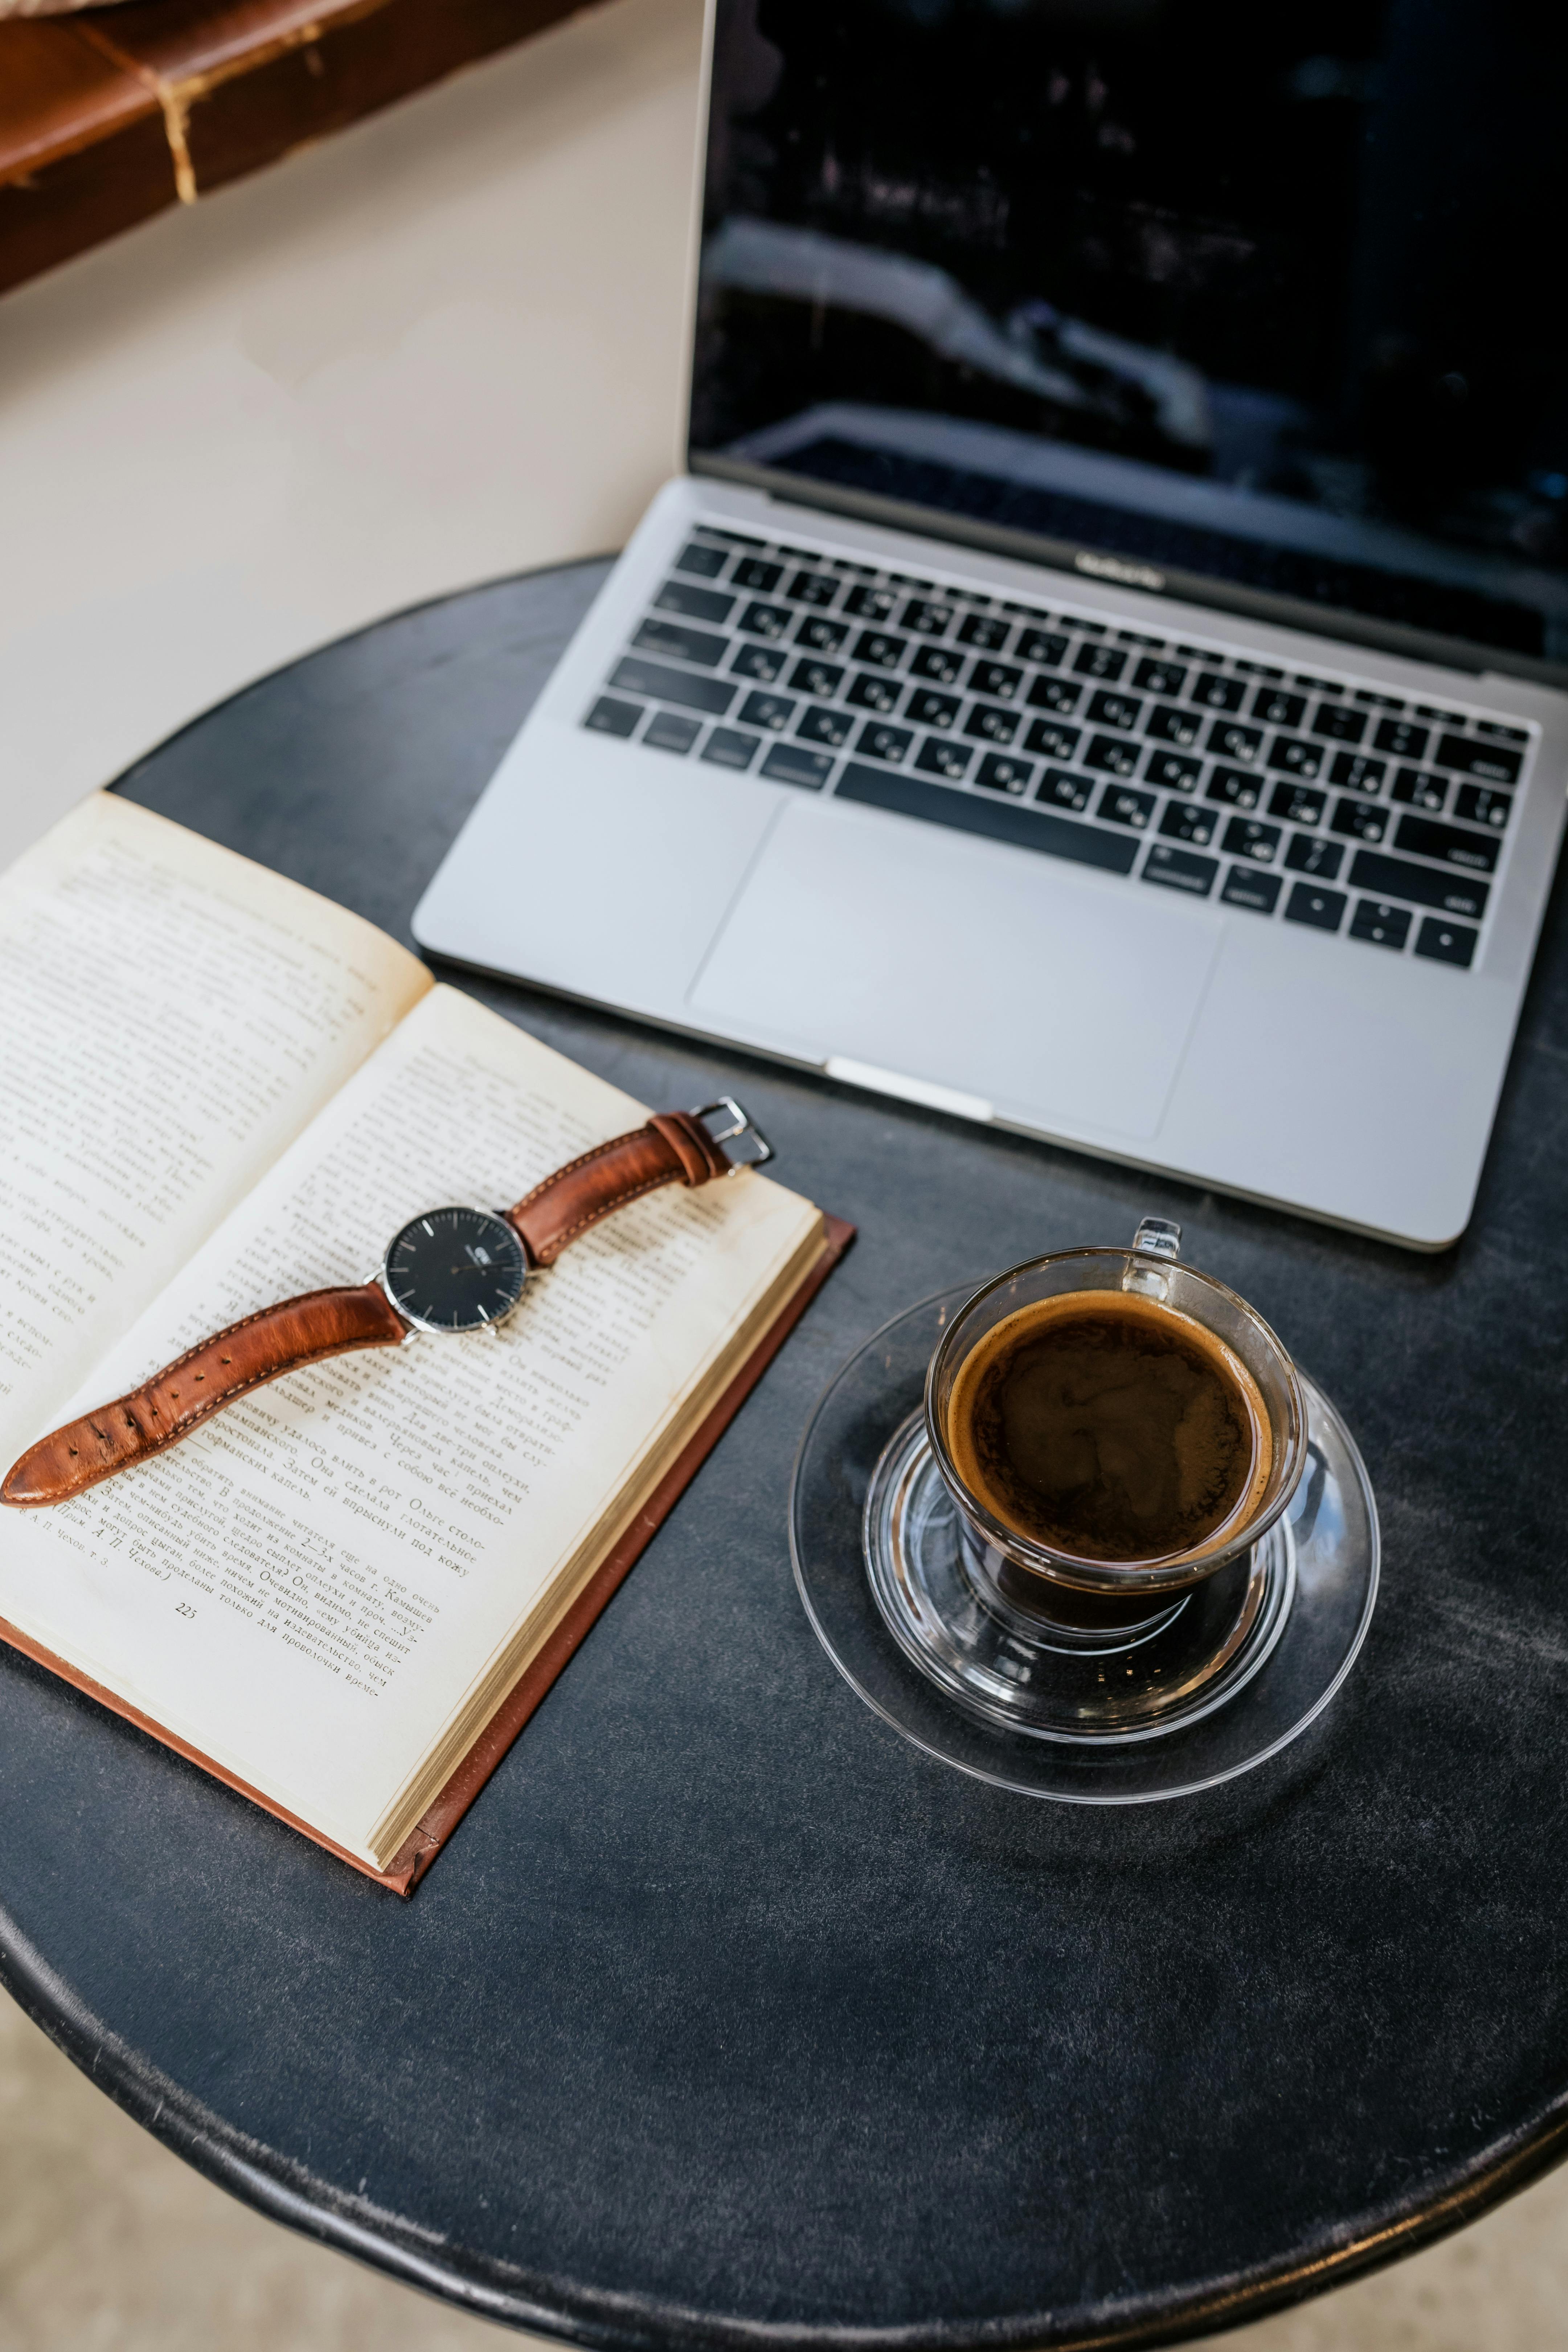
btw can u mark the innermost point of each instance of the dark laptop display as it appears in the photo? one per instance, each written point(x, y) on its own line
point(1263, 300)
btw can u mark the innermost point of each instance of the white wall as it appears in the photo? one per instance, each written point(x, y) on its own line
point(446, 345)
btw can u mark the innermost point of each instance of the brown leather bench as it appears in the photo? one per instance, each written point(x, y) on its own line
point(108, 117)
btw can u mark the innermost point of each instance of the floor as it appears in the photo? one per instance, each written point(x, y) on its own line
point(363, 379)
point(108, 2243)
point(446, 345)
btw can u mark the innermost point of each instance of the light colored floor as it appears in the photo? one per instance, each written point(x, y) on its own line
point(446, 345)
point(108, 2243)
point(442, 347)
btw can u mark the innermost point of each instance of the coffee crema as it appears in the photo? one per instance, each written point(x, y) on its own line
point(1108, 1427)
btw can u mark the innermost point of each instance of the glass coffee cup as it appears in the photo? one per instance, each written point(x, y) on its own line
point(1102, 1594)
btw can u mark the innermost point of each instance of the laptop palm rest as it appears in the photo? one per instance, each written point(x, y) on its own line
point(861, 937)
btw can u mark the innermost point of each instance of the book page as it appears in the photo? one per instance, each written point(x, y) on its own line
point(313, 1589)
point(174, 1016)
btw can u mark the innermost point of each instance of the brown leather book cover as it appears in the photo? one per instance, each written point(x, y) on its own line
point(404, 1873)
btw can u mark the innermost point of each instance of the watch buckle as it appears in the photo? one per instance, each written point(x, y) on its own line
point(741, 1125)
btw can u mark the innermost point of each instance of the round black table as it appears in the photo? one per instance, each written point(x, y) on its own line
point(726, 2017)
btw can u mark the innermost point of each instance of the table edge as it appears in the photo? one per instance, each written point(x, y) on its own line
point(606, 2321)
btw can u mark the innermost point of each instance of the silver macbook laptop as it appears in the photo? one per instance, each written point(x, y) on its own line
point(1106, 670)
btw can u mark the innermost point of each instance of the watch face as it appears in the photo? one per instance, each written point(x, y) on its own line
point(455, 1269)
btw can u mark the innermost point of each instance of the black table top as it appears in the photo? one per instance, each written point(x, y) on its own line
point(725, 2013)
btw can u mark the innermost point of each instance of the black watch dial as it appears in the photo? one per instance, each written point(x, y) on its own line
point(455, 1269)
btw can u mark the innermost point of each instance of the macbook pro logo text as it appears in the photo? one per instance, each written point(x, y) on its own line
point(1130, 575)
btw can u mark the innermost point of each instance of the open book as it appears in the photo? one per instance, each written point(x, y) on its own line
point(344, 1593)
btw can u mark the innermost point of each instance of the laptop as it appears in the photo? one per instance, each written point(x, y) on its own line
point(1104, 672)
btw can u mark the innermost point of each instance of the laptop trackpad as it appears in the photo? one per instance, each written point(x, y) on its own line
point(1060, 1000)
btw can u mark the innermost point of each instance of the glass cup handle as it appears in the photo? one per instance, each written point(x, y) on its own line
point(1157, 1238)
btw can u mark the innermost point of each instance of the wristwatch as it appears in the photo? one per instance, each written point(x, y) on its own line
point(447, 1271)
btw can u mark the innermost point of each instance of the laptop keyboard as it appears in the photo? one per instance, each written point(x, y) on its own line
point(1299, 798)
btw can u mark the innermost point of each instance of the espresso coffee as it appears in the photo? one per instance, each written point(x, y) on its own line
point(1108, 1426)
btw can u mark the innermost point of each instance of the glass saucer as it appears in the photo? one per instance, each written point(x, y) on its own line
point(1207, 1688)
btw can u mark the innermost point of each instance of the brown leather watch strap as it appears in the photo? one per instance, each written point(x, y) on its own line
point(674, 1148)
point(175, 1400)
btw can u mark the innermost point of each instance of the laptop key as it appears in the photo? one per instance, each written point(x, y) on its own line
point(791, 763)
point(1049, 736)
point(1451, 843)
point(763, 661)
point(1042, 647)
point(1296, 757)
point(880, 647)
point(1025, 826)
point(870, 692)
point(1357, 772)
point(1119, 807)
point(1340, 723)
point(1381, 925)
point(1324, 909)
point(1404, 739)
point(609, 717)
point(1423, 886)
point(937, 662)
point(693, 603)
point(713, 695)
point(821, 637)
point(1446, 942)
point(1113, 755)
point(1000, 772)
point(1168, 726)
point(1482, 805)
point(1363, 820)
point(1058, 789)
point(1218, 693)
point(1100, 661)
point(996, 726)
point(728, 747)
point(821, 726)
point(1308, 854)
point(1259, 893)
point(667, 730)
point(817, 678)
point(1176, 770)
point(706, 562)
point(929, 708)
point(987, 631)
point(884, 742)
point(775, 710)
point(925, 618)
point(685, 645)
point(1419, 790)
point(1178, 869)
point(812, 588)
point(1233, 740)
point(1000, 678)
point(1278, 708)
point(939, 757)
point(1160, 676)
point(1189, 820)
point(752, 572)
point(1489, 763)
point(870, 603)
point(1234, 786)
point(1114, 711)
point(765, 620)
point(1245, 837)
point(1054, 694)
point(1299, 803)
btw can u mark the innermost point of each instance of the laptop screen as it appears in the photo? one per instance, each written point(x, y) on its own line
point(1263, 299)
